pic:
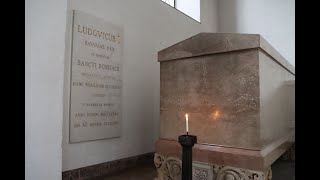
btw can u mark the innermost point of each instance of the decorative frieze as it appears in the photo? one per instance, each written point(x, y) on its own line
point(169, 168)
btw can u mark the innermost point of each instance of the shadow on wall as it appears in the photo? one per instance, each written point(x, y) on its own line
point(230, 18)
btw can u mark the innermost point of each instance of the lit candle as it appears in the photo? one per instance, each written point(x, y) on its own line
point(187, 123)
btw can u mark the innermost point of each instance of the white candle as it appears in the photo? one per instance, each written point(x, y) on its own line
point(187, 123)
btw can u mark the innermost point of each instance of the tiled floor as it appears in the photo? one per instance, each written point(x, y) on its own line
point(281, 170)
point(142, 172)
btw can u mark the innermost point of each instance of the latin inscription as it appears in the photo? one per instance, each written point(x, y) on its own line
point(96, 79)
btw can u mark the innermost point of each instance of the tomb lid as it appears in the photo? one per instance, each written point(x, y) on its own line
point(212, 43)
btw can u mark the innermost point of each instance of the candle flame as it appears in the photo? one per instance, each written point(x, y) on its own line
point(187, 116)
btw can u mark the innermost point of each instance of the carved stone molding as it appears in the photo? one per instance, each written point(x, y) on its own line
point(268, 174)
point(201, 174)
point(229, 173)
point(232, 173)
point(169, 168)
point(202, 171)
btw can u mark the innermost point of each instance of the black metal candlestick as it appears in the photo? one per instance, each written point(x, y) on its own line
point(187, 142)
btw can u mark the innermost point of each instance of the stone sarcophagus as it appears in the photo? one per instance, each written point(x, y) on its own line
point(235, 89)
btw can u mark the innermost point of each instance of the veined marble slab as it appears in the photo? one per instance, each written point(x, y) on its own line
point(237, 90)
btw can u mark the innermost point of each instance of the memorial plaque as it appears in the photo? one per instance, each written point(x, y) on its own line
point(96, 79)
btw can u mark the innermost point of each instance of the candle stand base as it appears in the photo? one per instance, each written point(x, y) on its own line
point(187, 142)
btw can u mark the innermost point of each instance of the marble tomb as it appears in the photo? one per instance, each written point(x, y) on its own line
point(237, 91)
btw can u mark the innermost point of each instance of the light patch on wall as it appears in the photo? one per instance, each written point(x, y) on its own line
point(216, 115)
point(170, 2)
point(190, 8)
